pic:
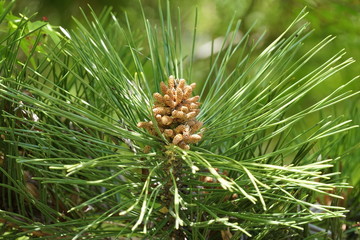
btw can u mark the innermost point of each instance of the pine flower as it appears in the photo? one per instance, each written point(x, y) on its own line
point(175, 112)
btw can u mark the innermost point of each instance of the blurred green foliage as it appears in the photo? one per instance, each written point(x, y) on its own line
point(340, 18)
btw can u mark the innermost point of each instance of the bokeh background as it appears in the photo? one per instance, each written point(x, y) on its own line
point(340, 18)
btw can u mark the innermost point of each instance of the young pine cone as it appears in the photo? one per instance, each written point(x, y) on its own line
point(175, 112)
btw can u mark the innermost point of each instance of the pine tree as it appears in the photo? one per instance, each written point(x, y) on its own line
point(105, 136)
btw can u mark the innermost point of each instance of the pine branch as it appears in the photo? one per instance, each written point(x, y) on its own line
point(87, 150)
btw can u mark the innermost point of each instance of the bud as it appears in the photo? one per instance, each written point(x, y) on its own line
point(179, 96)
point(193, 99)
point(169, 101)
point(158, 118)
point(177, 138)
point(191, 115)
point(171, 82)
point(171, 94)
point(163, 88)
point(166, 120)
point(193, 106)
point(179, 114)
point(161, 110)
point(187, 92)
point(194, 138)
point(158, 97)
point(181, 84)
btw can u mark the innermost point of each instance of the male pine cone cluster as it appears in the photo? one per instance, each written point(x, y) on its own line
point(175, 112)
